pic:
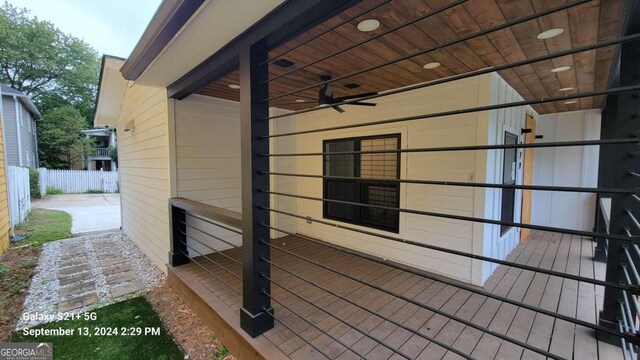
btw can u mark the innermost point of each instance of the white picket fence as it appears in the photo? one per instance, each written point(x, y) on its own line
point(78, 181)
point(19, 194)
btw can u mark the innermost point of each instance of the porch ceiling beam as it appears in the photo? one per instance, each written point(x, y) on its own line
point(286, 21)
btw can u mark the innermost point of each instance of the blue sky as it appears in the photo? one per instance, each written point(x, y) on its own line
point(111, 26)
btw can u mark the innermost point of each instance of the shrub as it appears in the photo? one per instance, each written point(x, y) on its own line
point(34, 183)
point(54, 191)
point(95, 191)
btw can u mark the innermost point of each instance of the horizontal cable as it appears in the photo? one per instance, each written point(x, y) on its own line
point(631, 264)
point(463, 184)
point(629, 140)
point(209, 271)
point(208, 234)
point(457, 252)
point(462, 111)
point(635, 301)
point(377, 36)
point(472, 289)
point(437, 47)
point(314, 325)
point(635, 239)
point(208, 246)
point(625, 351)
point(424, 306)
point(633, 218)
point(399, 324)
point(226, 227)
point(463, 76)
point(624, 314)
point(632, 322)
point(211, 260)
point(363, 12)
point(363, 332)
point(265, 310)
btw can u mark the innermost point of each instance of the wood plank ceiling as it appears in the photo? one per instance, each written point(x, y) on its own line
point(583, 25)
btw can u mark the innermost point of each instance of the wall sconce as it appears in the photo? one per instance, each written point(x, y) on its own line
point(130, 126)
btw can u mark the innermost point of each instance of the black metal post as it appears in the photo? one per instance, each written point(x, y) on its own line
point(178, 248)
point(600, 251)
point(255, 238)
point(620, 119)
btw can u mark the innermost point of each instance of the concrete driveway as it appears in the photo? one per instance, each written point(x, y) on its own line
point(89, 212)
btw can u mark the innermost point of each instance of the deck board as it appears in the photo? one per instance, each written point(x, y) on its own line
point(545, 250)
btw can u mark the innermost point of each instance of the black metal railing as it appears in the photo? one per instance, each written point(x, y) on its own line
point(617, 230)
point(187, 219)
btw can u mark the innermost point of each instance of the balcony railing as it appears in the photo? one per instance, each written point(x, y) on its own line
point(101, 152)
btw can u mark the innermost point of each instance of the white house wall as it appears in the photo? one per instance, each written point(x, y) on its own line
point(207, 138)
point(566, 166)
point(465, 129)
point(145, 171)
point(512, 120)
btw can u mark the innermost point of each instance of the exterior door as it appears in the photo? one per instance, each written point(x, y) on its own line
point(528, 176)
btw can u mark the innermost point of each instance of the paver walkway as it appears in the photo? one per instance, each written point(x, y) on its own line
point(92, 271)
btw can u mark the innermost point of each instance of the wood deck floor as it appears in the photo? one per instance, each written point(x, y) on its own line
point(546, 250)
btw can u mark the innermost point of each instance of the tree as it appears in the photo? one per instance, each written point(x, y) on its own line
point(53, 68)
point(61, 145)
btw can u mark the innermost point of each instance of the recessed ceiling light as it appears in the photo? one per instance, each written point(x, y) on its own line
point(550, 33)
point(567, 89)
point(234, 86)
point(301, 100)
point(570, 102)
point(368, 25)
point(560, 69)
point(431, 65)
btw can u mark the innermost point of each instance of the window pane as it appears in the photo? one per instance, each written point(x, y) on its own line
point(379, 166)
point(341, 190)
point(509, 173)
point(382, 195)
point(509, 165)
point(339, 165)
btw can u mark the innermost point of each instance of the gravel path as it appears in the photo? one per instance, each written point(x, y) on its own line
point(81, 274)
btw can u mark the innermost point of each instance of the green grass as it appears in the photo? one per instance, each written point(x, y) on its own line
point(43, 226)
point(136, 312)
point(221, 353)
point(54, 191)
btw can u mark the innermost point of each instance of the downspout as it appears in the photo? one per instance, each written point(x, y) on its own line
point(19, 135)
point(35, 136)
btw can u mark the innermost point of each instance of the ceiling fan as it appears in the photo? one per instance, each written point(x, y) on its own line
point(325, 96)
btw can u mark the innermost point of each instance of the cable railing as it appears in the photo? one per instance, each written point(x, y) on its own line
point(299, 271)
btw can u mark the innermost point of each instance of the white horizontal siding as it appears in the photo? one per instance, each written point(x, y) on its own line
point(144, 170)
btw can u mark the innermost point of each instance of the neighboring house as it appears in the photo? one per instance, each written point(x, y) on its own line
point(105, 140)
point(382, 215)
point(19, 122)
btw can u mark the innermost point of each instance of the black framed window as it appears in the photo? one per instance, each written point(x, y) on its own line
point(509, 175)
point(367, 186)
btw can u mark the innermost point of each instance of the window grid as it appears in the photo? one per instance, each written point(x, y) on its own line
point(375, 191)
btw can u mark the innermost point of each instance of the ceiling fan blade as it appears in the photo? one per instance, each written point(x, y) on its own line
point(362, 103)
point(338, 109)
point(356, 96)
